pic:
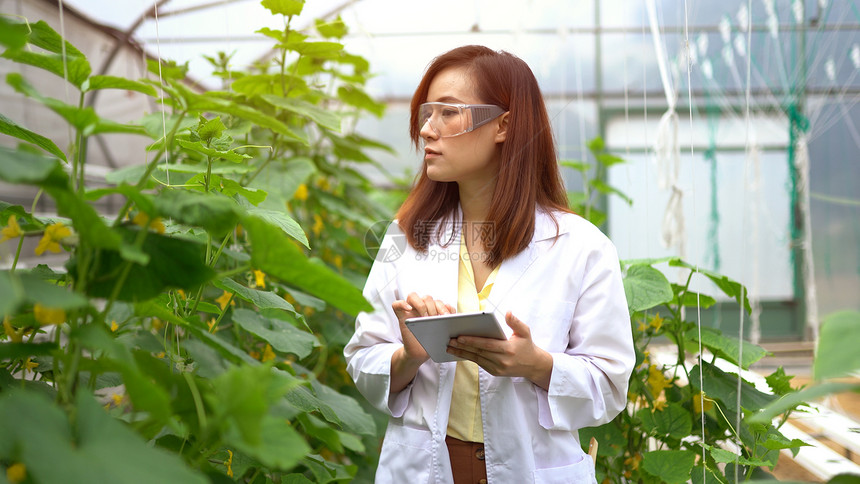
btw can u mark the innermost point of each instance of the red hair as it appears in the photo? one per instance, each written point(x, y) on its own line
point(528, 170)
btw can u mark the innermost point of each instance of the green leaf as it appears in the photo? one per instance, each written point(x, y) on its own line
point(793, 399)
point(44, 37)
point(14, 34)
point(228, 351)
point(259, 84)
point(230, 188)
point(326, 118)
point(14, 351)
point(730, 287)
point(596, 145)
point(76, 68)
point(167, 69)
point(280, 446)
point(146, 395)
point(673, 421)
point(284, 221)
point(276, 255)
point(110, 82)
point(332, 29)
point(779, 382)
point(352, 416)
point(646, 288)
point(199, 147)
point(728, 347)
point(284, 7)
point(724, 386)
point(199, 102)
point(579, 166)
point(261, 299)
point(49, 295)
point(84, 119)
point(173, 263)
point(26, 221)
point(323, 50)
point(836, 354)
point(7, 126)
point(94, 447)
point(608, 160)
point(22, 167)
point(692, 299)
point(356, 97)
point(143, 202)
point(210, 129)
point(671, 466)
point(283, 336)
point(89, 225)
point(219, 169)
point(609, 190)
point(611, 442)
point(216, 214)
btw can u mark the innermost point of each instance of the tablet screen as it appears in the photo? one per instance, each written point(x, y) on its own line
point(433, 332)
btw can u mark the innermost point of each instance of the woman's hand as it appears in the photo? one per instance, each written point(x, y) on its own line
point(406, 360)
point(516, 356)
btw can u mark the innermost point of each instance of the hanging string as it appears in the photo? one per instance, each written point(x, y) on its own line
point(698, 301)
point(161, 89)
point(743, 222)
point(64, 54)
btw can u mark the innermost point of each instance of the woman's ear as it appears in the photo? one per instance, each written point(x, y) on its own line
point(502, 130)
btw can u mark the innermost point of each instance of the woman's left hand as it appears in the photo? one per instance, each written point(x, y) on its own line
point(516, 356)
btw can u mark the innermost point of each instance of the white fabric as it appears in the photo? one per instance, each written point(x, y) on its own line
point(568, 289)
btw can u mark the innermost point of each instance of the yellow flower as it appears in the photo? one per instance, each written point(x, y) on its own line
point(157, 324)
point(697, 402)
point(116, 399)
point(15, 336)
point(301, 192)
point(229, 463)
point(323, 183)
point(30, 365)
point(641, 326)
point(318, 225)
point(656, 322)
point(16, 473)
point(113, 325)
point(51, 240)
point(268, 354)
point(46, 316)
point(308, 311)
point(225, 298)
point(181, 294)
point(656, 381)
point(338, 262)
point(659, 404)
point(211, 325)
point(633, 462)
point(160, 355)
point(254, 354)
point(142, 220)
point(259, 279)
point(11, 230)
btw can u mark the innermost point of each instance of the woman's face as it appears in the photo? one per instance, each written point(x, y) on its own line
point(469, 157)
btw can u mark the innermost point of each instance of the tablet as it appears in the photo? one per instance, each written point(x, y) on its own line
point(433, 332)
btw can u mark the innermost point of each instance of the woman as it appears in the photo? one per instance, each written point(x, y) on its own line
point(488, 228)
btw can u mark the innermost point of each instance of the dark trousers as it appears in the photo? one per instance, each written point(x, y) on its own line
point(467, 461)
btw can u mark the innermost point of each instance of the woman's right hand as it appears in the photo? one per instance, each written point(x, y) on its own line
point(412, 307)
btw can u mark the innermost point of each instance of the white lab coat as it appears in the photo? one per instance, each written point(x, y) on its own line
point(568, 289)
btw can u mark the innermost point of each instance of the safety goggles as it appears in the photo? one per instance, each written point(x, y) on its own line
point(447, 120)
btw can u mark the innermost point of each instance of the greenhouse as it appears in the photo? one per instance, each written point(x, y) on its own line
point(210, 208)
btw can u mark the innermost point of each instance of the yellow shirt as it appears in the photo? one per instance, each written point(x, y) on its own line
point(464, 420)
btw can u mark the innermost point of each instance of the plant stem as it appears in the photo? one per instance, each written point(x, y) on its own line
point(151, 166)
point(126, 269)
point(17, 254)
point(198, 402)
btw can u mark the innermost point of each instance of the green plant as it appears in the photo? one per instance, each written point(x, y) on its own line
point(583, 202)
point(192, 336)
point(659, 437)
